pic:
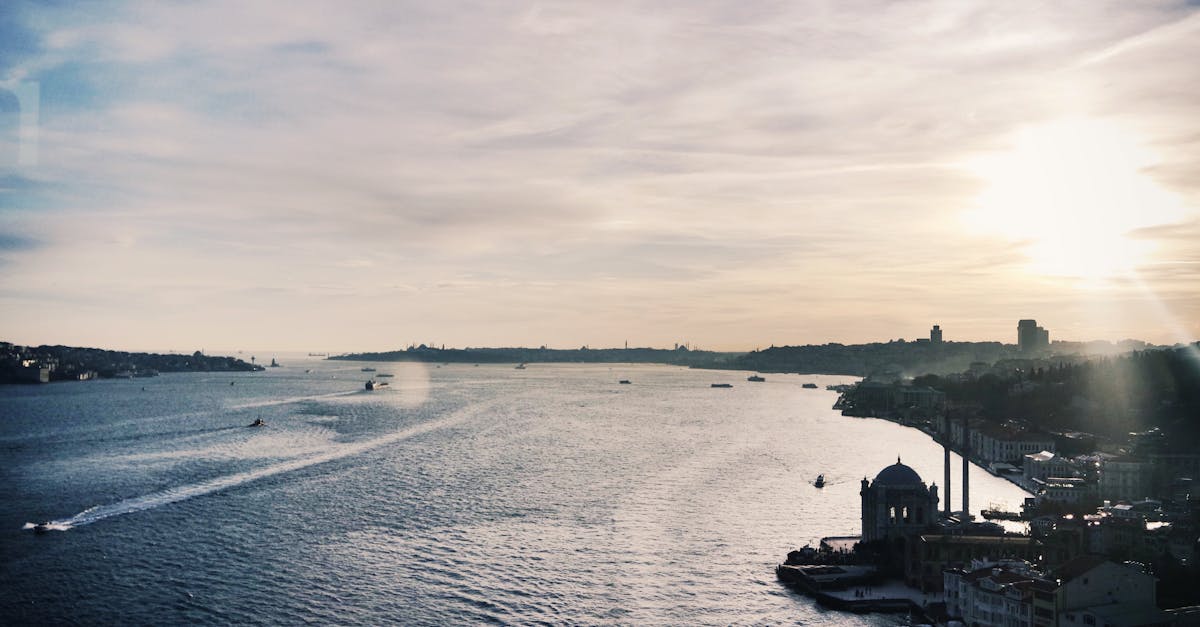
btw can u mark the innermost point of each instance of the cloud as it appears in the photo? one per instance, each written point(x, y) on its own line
point(657, 157)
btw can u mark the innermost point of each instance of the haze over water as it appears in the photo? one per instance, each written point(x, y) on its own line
point(460, 494)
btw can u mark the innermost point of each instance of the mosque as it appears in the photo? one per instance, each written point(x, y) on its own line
point(897, 509)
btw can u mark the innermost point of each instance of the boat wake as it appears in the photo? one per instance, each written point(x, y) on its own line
point(181, 493)
point(289, 401)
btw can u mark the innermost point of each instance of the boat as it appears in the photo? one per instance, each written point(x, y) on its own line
point(372, 384)
point(384, 374)
point(41, 527)
point(368, 369)
point(274, 364)
point(722, 385)
point(820, 482)
point(520, 366)
point(258, 422)
point(755, 378)
point(624, 381)
point(809, 386)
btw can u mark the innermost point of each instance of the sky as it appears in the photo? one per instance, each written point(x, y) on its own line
point(331, 176)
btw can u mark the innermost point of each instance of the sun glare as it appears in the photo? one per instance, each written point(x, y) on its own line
point(1072, 192)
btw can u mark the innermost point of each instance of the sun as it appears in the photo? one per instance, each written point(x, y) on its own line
point(1072, 192)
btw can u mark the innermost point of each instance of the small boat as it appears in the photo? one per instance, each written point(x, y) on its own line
point(755, 378)
point(624, 381)
point(41, 528)
point(809, 386)
point(520, 366)
point(368, 369)
point(274, 364)
point(820, 482)
point(384, 374)
point(722, 385)
point(258, 422)
point(372, 384)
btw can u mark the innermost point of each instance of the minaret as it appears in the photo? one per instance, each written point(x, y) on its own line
point(946, 472)
point(966, 482)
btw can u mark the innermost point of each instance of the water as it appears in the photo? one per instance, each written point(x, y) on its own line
point(460, 494)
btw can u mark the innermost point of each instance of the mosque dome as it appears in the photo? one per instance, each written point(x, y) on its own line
point(897, 475)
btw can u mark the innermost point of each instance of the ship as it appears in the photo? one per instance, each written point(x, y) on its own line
point(721, 385)
point(368, 369)
point(624, 381)
point(519, 366)
point(755, 378)
point(809, 386)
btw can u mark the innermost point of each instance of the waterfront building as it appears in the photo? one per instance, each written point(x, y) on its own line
point(991, 594)
point(935, 334)
point(1125, 479)
point(1093, 591)
point(1045, 464)
point(939, 552)
point(991, 443)
point(1173, 474)
point(1062, 490)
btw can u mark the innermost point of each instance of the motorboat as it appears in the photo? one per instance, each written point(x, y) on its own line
point(809, 386)
point(258, 422)
point(372, 384)
point(520, 367)
point(755, 378)
point(820, 482)
point(624, 381)
point(41, 528)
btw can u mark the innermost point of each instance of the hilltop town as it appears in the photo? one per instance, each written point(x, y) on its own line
point(1108, 449)
point(43, 364)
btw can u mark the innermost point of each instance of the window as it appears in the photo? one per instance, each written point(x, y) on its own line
point(1088, 619)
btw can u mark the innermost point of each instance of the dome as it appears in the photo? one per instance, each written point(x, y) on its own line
point(897, 475)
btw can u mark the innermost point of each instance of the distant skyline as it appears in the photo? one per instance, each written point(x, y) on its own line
point(312, 176)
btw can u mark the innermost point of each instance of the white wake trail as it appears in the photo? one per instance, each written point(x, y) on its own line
point(181, 493)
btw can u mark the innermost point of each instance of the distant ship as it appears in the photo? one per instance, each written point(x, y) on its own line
point(755, 378)
point(372, 384)
point(624, 381)
point(384, 374)
point(722, 385)
point(820, 482)
point(368, 369)
point(810, 386)
point(519, 366)
point(274, 364)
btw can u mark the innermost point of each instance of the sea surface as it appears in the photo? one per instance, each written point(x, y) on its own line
point(459, 495)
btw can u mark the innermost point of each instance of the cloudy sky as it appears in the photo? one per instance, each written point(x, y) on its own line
point(347, 176)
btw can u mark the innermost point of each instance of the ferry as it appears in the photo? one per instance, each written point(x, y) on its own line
point(755, 378)
point(820, 482)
